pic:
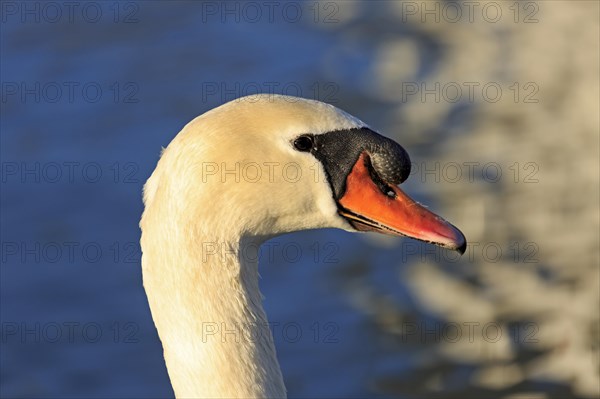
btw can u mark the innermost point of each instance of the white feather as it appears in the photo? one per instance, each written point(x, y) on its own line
point(196, 223)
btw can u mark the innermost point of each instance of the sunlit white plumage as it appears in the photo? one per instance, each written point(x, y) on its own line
point(233, 177)
point(188, 213)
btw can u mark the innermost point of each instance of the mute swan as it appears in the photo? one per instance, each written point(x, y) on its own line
point(222, 185)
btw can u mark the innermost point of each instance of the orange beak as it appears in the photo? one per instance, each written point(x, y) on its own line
point(368, 208)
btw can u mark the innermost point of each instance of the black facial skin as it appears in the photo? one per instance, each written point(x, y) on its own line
point(338, 151)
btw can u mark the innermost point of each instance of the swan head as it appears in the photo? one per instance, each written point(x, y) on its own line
point(265, 165)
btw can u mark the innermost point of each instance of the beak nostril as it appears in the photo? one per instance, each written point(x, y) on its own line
point(380, 182)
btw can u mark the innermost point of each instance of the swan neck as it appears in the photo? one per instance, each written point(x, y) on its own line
point(206, 304)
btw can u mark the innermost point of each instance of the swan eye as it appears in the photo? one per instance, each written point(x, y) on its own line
point(303, 143)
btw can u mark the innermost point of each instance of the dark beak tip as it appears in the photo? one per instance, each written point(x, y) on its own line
point(462, 248)
point(461, 242)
